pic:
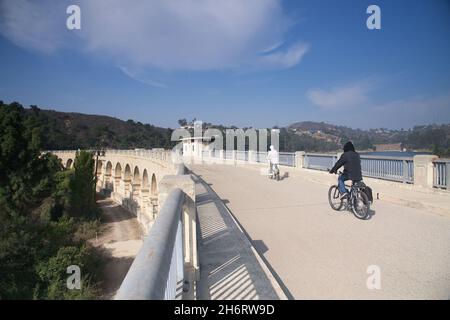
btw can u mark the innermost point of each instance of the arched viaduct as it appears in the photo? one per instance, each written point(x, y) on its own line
point(131, 177)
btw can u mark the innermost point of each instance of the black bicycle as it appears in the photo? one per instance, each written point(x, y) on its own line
point(357, 201)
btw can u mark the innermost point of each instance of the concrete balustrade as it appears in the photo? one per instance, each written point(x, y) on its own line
point(162, 197)
point(422, 171)
point(131, 178)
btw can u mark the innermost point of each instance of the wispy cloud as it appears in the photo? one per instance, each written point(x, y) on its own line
point(140, 77)
point(340, 97)
point(283, 59)
point(159, 34)
point(33, 25)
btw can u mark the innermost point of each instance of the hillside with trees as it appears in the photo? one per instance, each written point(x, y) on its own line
point(47, 214)
point(324, 137)
point(63, 130)
point(435, 138)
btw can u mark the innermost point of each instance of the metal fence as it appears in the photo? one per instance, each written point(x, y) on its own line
point(261, 157)
point(242, 155)
point(287, 159)
point(388, 168)
point(319, 161)
point(159, 275)
point(441, 173)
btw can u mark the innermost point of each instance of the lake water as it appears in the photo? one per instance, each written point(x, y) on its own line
point(394, 153)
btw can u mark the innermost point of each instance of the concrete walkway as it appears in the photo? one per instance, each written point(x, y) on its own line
point(230, 267)
point(322, 254)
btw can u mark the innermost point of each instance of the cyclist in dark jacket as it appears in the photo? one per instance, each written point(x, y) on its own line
point(352, 167)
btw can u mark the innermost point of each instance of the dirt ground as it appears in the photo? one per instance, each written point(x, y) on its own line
point(120, 239)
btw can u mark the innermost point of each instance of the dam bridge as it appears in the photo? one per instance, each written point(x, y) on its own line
point(217, 228)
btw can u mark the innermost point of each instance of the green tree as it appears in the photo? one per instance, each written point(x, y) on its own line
point(83, 186)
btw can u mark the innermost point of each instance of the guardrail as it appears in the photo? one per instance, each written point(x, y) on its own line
point(441, 173)
point(398, 169)
point(388, 168)
point(285, 158)
point(163, 155)
point(319, 161)
point(166, 266)
point(157, 272)
point(380, 167)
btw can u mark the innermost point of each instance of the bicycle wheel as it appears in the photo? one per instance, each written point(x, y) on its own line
point(334, 198)
point(361, 205)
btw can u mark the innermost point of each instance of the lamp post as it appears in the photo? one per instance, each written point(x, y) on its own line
point(97, 154)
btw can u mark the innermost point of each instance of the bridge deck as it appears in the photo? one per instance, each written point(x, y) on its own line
point(320, 253)
point(230, 267)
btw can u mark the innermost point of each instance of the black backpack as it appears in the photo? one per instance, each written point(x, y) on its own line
point(368, 191)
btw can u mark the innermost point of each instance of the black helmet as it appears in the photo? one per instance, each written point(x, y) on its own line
point(349, 147)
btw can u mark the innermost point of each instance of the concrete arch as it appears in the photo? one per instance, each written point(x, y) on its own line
point(107, 174)
point(154, 196)
point(130, 178)
point(100, 168)
point(69, 163)
point(136, 184)
point(127, 180)
point(99, 177)
point(145, 182)
point(154, 186)
point(117, 176)
point(145, 195)
point(108, 169)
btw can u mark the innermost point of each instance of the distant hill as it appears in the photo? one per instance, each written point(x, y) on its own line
point(433, 137)
point(63, 130)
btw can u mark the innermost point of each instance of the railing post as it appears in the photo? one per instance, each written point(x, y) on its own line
point(405, 171)
point(423, 170)
point(299, 159)
point(447, 175)
point(251, 156)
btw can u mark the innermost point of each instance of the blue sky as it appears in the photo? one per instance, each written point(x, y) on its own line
point(249, 63)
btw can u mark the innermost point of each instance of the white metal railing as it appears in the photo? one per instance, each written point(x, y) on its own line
point(319, 161)
point(382, 167)
point(287, 159)
point(441, 173)
point(388, 168)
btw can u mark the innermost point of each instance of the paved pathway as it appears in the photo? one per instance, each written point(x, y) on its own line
point(230, 267)
point(322, 254)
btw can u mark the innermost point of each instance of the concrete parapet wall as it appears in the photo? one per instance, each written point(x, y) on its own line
point(131, 178)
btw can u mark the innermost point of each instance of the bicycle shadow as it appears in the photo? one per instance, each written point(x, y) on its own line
point(370, 214)
point(284, 176)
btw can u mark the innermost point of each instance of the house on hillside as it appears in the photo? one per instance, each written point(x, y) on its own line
point(388, 147)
